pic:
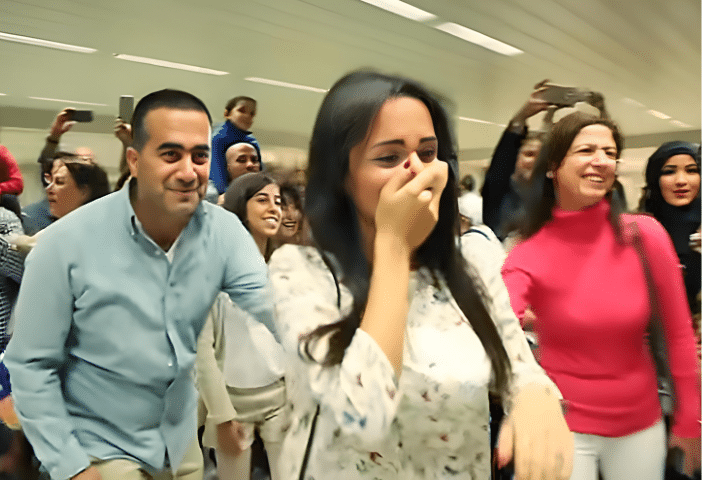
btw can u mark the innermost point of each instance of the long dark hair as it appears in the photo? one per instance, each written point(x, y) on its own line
point(239, 192)
point(541, 196)
point(90, 176)
point(342, 122)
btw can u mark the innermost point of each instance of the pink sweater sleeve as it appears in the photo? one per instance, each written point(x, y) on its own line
point(677, 325)
point(518, 283)
point(10, 174)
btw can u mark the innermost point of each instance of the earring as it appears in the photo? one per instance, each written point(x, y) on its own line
point(549, 174)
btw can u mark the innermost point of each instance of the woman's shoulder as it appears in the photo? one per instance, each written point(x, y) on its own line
point(294, 258)
point(646, 224)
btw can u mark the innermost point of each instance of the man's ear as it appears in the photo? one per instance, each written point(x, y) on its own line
point(132, 161)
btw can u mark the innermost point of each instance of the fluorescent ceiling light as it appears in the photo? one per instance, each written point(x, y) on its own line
point(475, 120)
point(403, 9)
point(658, 114)
point(631, 101)
point(478, 38)
point(44, 43)
point(69, 101)
point(680, 124)
point(3, 94)
point(164, 63)
point(285, 84)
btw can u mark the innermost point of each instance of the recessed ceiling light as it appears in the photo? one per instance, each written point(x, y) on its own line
point(285, 84)
point(44, 43)
point(658, 114)
point(478, 38)
point(69, 102)
point(403, 9)
point(680, 124)
point(167, 64)
point(476, 120)
point(631, 101)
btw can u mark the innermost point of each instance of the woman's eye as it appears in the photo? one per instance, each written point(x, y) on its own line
point(693, 169)
point(389, 159)
point(201, 157)
point(667, 171)
point(428, 154)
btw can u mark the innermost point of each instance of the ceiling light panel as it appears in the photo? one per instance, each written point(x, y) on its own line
point(167, 64)
point(68, 102)
point(44, 43)
point(658, 114)
point(285, 84)
point(403, 9)
point(477, 38)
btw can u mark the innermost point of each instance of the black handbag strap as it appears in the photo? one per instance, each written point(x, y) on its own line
point(656, 336)
point(308, 448)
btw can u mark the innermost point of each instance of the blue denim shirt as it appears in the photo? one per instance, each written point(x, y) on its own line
point(106, 331)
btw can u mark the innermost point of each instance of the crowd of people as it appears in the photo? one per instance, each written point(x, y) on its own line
point(209, 318)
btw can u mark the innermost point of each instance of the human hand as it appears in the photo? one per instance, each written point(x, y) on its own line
point(534, 104)
point(691, 452)
point(23, 243)
point(536, 436)
point(408, 207)
point(528, 319)
point(90, 473)
point(696, 241)
point(8, 416)
point(123, 131)
point(62, 124)
point(230, 438)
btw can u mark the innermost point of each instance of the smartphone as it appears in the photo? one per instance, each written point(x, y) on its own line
point(126, 108)
point(82, 116)
point(563, 96)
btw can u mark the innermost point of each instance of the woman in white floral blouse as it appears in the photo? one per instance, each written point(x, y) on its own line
point(394, 340)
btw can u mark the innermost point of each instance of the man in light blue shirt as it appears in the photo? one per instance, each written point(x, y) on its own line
point(113, 299)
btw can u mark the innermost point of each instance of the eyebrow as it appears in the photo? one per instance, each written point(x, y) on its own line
point(178, 146)
point(263, 194)
point(402, 142)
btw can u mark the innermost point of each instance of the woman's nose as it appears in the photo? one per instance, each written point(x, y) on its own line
point(680, 178)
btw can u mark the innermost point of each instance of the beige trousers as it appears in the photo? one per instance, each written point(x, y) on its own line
point(191, 468)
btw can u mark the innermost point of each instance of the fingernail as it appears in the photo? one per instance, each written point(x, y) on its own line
point(407, 164)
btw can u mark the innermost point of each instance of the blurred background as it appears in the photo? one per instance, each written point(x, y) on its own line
point(483, 56)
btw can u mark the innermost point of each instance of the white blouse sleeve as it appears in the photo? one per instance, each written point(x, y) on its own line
point(360, 394)
point(487, 258)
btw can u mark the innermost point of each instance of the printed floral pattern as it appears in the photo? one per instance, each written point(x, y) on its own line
point(431, 423)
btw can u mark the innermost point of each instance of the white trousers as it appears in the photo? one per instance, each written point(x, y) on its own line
point(639, 456)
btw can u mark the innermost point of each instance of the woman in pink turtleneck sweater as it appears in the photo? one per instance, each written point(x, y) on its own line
point(582, 277)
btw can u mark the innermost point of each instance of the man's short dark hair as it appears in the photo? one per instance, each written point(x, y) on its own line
point(234, 101)
point(174, 99)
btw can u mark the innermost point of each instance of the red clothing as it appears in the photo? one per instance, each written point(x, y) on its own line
point(10, 175)
point(589, 294)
